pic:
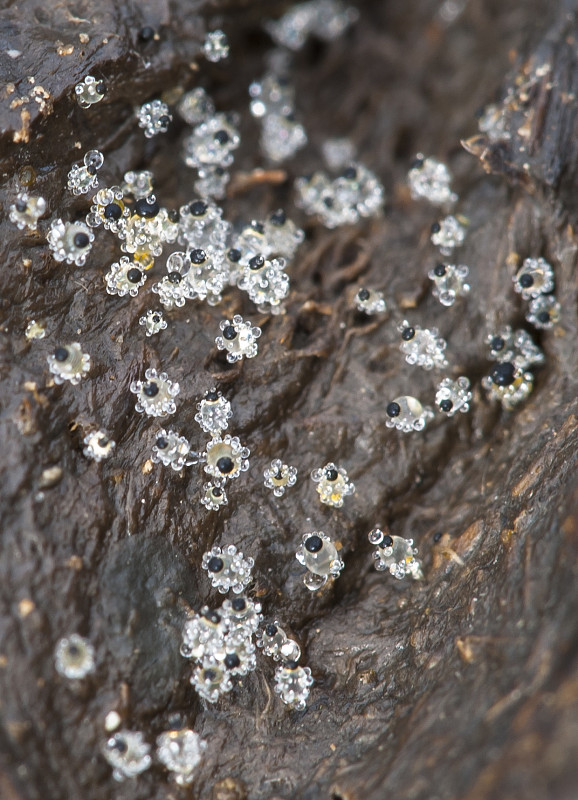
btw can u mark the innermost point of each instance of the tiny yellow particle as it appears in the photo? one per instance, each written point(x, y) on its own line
point(25, 607)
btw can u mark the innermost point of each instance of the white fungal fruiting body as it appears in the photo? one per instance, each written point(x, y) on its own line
point(83, 178)
point(509, 384)
point(266, 283)
point(212, 142)
point(204, 635)
point(225, 457)
point(516, 346)
point(109, 210)
point(211, 680)
point(544, 311)
point(355, 194)
point(281, 138)
point(214, 496)
point(195, 106)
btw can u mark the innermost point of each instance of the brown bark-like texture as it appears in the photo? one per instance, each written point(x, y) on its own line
point(464, 685)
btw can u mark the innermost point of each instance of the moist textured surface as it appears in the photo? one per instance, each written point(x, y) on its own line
point(462, 686)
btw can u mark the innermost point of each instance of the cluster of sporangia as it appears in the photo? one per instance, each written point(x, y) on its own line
point(212, 257)
point(510, 380)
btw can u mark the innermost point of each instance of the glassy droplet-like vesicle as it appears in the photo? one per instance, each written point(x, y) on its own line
point(370, 301)
point(195, 106)
point(124, 277)
point(127, 752)
point(153, 322)
point(535, 277)
point(155, 395)
point(212, 142)
point(26, 211)
point(266, 283)
point(281, 137)
point(181, 751)
point(70, 241)
point(214, 496)
point(173, 451)
point(154, 118)
point(215, 46)
point(319, 555)
point(74, 657)
point(211, 679)
point(356, 193)
point(407, 414)
point(225, 458)
point(515, 346)
point(108, 209)
point(98, 445)
point(69, 363)
point(213, 412)
point(292, 684)
point(453, 396)
point(83, 178)
point(447, 234)
point(333, 484)
point(508, 383)
point(395, 554)
point(326, 19)
point(276, 644)
point(422, 347)
point(89, 91)
point(279, 476)
point(238, 338)
point(271, 95)
point(228, 569)
point(204, 635)
point(449, 282)
point(544, 311)
point(430, 179)
point(242, 613)
point(138, 184)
